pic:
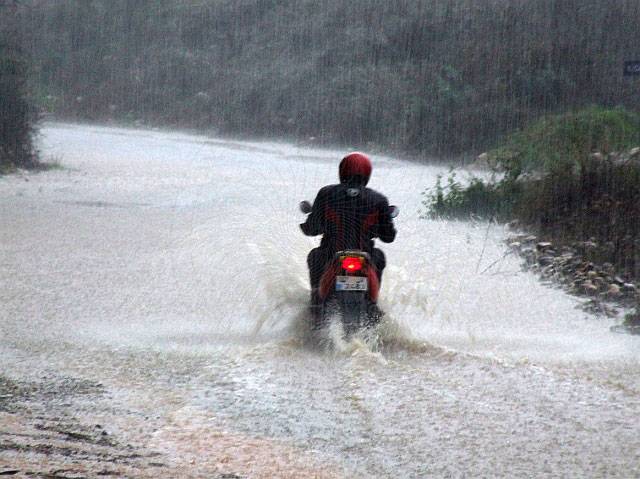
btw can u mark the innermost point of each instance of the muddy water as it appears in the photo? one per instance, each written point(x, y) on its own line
point(169, 268)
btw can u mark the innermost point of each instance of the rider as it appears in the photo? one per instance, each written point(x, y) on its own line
point(349, 216)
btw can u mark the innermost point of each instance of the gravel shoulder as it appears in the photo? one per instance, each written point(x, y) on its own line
point(606, 292)
point(42, 434)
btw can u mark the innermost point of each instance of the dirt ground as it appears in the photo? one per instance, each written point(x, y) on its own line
point(42, 437)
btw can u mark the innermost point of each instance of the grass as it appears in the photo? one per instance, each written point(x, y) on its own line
point(568, 178)
point(7, 169)
point(561, 143)
point(49, 164)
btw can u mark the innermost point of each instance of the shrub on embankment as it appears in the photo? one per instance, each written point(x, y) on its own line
point(573, 178)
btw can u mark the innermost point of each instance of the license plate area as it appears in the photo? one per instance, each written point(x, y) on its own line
point(351, 283)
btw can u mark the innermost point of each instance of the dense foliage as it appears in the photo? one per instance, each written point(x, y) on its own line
point(564, 142)
point(17, 116)
point(572, 177)
point(417, 75)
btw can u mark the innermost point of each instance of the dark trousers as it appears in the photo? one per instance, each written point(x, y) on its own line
point(319, 257)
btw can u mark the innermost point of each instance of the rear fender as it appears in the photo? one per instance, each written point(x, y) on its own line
point(374, 283)
point(328, 282)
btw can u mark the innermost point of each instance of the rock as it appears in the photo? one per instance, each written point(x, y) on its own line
point(482, 161)
point(589, 245)
point(585, 267)
point(566, 257)
point(570, 270)
point(589, 288)
point(607, 310)
point(545, 260)
point(608, 268)
point(543, 245)
point(614, 290)
point(634, 153)
point(515, 245)
point(528, 254)
point(549, 271)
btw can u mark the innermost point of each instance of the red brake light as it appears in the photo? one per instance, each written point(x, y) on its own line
point(352, 264)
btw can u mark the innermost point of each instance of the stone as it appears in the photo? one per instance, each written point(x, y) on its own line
point(634, 153)
point(589, 288)
point(614, 290)
point(549, 269)
point(545, 260)
point(543, 245)
point(608, 267)
point(482, 161)
point(584, 267)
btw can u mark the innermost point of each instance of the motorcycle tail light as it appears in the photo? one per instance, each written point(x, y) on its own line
point(352, 264)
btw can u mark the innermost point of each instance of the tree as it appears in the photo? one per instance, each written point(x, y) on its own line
point(17, 116)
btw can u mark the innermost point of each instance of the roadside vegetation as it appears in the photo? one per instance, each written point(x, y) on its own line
point(573, 179)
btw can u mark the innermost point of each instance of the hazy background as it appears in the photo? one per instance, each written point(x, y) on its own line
point(427, 76)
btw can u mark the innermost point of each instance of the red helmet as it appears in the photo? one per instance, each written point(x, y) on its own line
point(355, 167)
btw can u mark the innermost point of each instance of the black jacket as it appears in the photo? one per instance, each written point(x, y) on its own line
point(349, 218)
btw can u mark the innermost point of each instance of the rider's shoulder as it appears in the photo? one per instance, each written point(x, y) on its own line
point(325, 190)
point(376, 195)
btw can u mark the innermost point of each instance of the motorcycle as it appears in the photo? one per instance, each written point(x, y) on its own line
point(349, 288)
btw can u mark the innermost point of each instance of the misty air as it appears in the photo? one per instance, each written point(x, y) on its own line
point(255, 239)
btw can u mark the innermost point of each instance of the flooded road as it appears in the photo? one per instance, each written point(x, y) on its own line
point(156, 287)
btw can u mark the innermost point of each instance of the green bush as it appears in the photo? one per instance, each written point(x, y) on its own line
point(554, 183)
point(563, 142)
point(477, 199)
